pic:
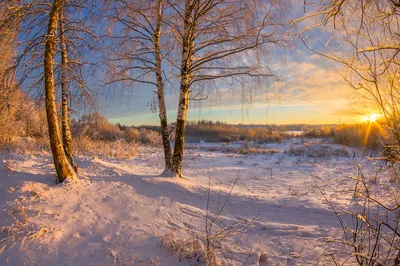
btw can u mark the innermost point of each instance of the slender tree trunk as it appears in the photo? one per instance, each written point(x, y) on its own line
point(180, 126)
point(183, 105)
point(160, 90)
point(63, 168)
point(65, 121)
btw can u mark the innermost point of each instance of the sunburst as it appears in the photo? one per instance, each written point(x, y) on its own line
point(371, 117)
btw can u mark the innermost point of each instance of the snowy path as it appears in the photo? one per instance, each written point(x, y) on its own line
point(119, 212)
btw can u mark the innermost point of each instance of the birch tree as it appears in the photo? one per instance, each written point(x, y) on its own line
point(37, 23)
point(140, 47)
point(224, 41)
point(39, 40)
point(63, 167)
point(65, 120)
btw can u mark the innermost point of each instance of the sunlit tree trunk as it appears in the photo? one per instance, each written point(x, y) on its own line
point(160, 89)
point(183, 104)
point(63, 168)
point(65, 121)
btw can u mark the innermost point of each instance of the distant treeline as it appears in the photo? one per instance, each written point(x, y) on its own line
point(95, 126)
point(369, 135)
point(211, 131)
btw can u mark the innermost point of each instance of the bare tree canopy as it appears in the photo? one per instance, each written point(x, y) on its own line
point(221, 40)
point(365, 40)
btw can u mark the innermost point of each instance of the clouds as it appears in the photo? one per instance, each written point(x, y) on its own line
point(308, 85)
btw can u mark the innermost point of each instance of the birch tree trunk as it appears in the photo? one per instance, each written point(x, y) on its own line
point(183, 104)
point(65, 121)
point(160, 89)
point(63, 168)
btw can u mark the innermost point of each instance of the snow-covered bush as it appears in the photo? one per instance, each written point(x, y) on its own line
point(244, 148)
point(247, 148)
point(130, 134)
point(191, 249)
point(318, 150)
point(149, 137)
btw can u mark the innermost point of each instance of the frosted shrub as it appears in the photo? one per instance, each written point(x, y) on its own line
point(149, 137)
point(191, 249)
point(315, 150)
point(245, 148)
point(130, 134)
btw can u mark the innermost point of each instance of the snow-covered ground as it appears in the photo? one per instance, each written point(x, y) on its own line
point(122, 212)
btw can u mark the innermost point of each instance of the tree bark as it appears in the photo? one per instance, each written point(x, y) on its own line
point(183, 105)
point(63, 168)
point(180, 126)
point(160, 90)
point(65, 121)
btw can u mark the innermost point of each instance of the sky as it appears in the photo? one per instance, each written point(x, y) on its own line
point(309, 92)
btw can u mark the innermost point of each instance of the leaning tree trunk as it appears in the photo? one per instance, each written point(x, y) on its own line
point(183, 105)
point(63, 168)
point(65, 122)
point(160, 90)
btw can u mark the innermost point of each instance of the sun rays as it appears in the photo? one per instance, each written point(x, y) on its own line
point(371, 119)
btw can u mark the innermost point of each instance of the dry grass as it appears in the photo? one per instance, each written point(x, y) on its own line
point(21, 230)
point(191, 249)
point(82, 146)
point(115, 149)
point(19, 145)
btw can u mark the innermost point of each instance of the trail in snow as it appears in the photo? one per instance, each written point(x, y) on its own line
point(119, 211)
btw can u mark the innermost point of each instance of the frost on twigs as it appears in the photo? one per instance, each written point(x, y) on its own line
point(191, 249)
point(205, 244)
point(371, 224)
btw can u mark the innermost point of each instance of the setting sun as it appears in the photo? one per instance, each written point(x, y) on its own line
point(371, 117)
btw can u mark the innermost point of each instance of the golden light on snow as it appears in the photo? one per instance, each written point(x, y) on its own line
point(371, 117)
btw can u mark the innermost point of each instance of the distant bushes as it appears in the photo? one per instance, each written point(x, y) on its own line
point(25, 119)
point(21, 117)
point(321, 132)
point(244, 148)
point(24, 128)
point(111, 149)
point(94, 126)
point(221, 132)
point(369, 135)
point(318, 150)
